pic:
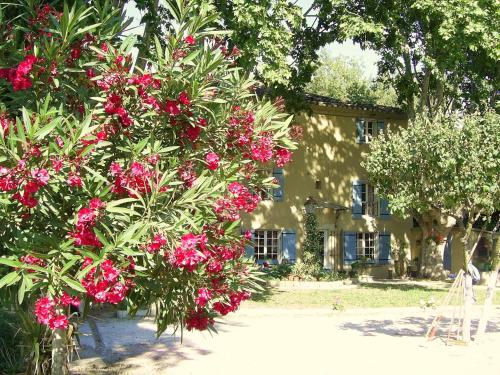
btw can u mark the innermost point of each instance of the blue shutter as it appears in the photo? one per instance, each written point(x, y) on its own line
point(384, 248)
point(384, 209)
point(288, 244)
point(447, 253)
point(349, 247)
point(356, 199)
point(360, 131)
point(278, 192)
point(380, 127)
point(249, 248)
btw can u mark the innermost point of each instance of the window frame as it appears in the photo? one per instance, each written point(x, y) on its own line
point(264, 255)
point(370, 129)
point(369, 200)
point(367, 241)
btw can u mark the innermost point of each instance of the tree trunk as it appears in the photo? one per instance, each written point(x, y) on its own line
point(490, 293)
point(468, 300)
point(59, 353)
point(435, 229)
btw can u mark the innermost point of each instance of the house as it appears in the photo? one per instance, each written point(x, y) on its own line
point(325, 176)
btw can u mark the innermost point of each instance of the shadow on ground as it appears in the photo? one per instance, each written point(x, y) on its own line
point(410, 326)
point(401, 286)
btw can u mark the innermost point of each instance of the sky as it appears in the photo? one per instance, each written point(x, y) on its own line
point(367, 59)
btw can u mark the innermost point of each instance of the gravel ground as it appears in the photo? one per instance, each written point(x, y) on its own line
point(287, 341)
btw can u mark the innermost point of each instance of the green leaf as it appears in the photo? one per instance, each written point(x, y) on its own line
point(9, 279)
point(75, 285)
point(11, 262)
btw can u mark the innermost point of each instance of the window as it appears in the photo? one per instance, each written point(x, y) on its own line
point(365, 246)
point(266, 244)
point(367, 129)
point(369, 204)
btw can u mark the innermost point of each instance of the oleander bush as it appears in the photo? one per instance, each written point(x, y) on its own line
point(121, 178)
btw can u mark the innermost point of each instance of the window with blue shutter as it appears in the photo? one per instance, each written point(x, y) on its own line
point(384, 209)
point(360, 130)
point(384, 248)
point(288, 244)
point(349, 247)
point(357, 191)
point(280, 178)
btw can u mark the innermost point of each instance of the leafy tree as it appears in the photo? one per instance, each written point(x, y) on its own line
point(118, 182)
point(436, 55)
point(443, 171)
point(343, 79)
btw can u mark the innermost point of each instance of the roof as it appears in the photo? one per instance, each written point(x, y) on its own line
point(328, 101)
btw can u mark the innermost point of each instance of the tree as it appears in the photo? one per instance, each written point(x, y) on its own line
point(122, 183)
point(343, 79)
point(443, 171)
point(439, 56)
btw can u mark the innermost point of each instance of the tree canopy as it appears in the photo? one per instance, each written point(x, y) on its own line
point(343, 79)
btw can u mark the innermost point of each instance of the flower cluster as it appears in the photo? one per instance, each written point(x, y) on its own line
point(46, 310)
point(228, 208)
point(235, 299)
point(105, 286)
point(19, 76)
point(198, 319)
point(84, 234)
point(190, 253)
point(138, 178)
point(158, 241)
point(32, 260)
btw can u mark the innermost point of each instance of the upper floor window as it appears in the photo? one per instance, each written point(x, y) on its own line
point(367, 129)
point(366, 202)
point(369, 204)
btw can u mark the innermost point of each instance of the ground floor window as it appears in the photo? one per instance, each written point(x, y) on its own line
point(266, 244)
point(365, 246)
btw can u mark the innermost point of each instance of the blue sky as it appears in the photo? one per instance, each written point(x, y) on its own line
point(366, 58)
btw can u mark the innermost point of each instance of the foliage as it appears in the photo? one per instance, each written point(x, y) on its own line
point(444, 165)
point(307, 268)
point(11, 353)
point(438, 55)
point(118, 181)
point(280, 271)
point(444, 162)
point(434, 55)
point(343, 79)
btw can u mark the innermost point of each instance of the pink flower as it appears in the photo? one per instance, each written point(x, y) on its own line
point(262, 148)
point(212, 160)
point(248, 235)
point(74, 181)
point(109, 272)
point(86, 216)
point(40, 175)
point(193, 133)
point(184, 98)
point(157, 243)
point(186, 258)
point(44, 310)
point(66, 300)
point(190, 40)
point(204, 296)
point(199, 320)
point(96, 204)
point(59, 322)
point(172, 107)
point(283, 156)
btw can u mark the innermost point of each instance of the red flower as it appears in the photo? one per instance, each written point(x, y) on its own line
point(184, 98)
point(283, 156)
point(199, 320)
point(190, 40)
point(203, 297)
point(212, 160)
point(74, 180)
point(172, 108)
point(59, 322)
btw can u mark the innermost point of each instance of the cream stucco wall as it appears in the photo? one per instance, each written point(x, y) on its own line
point(328, 153)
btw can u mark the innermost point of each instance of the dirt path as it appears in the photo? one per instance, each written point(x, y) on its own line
point(292, 342)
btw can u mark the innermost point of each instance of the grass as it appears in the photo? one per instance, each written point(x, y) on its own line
point(11, 356)
point(364, 296)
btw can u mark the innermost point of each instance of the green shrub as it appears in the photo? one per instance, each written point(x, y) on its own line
point(11, 350)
